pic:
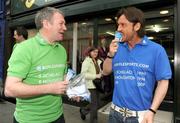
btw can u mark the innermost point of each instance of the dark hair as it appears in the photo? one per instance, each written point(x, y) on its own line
point(134, 15)
point(102, 37)
point(90, 49)
point(22, 31)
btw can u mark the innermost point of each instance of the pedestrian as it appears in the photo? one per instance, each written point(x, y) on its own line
point(20, 35)
point(91, 70)
point(35, 76)
point(103, 49)
point(138, 65)
point(108, 85)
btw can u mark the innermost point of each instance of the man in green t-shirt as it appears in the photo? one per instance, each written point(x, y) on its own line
point(36, 72)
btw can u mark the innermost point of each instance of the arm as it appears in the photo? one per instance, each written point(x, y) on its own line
point(159, 95)
point(14, 87)
point(107, 65)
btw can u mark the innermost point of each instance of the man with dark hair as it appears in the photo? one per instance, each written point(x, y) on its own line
point(138, 65)
point(20, 34)
point(37, 67)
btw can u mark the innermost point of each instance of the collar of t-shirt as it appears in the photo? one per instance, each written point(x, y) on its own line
point(144, 41)
point(42, 41)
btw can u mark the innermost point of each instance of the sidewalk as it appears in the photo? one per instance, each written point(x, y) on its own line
point(6, 112)
point(71, 113)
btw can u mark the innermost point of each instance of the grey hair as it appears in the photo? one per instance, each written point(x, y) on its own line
point(45, 14)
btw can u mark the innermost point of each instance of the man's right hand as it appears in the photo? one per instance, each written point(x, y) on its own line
point(113, 48)
point(59, 87)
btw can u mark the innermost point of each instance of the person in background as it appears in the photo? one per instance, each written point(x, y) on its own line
point(138, 65)
point(35, 76)
point(20, 34)
point(91, 70)
point(103, 50)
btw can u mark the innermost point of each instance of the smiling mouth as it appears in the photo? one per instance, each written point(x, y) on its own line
point(61, 33)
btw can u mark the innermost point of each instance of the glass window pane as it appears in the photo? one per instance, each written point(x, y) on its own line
point(106, 29)
point(68, 42)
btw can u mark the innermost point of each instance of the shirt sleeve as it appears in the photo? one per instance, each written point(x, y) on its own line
point(19, 62)
point(162, 66)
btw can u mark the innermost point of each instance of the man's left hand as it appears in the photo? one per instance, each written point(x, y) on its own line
point(148, 117)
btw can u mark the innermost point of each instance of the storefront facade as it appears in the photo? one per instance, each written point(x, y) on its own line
point(89, 20)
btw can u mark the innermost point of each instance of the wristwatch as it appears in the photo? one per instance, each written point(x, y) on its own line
point(152, 110)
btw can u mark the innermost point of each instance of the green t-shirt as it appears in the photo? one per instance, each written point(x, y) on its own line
point(37, 62)
point(15, 45)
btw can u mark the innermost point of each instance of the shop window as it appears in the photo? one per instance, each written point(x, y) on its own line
point(84, 40)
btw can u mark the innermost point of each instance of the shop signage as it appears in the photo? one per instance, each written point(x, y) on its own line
point(21, 6)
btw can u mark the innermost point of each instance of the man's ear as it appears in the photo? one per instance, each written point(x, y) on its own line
point(137, 26)
point(45, 23)
point(21, 36)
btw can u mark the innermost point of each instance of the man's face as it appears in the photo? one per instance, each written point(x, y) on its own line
point(103, 41)
point(126, 28)
point(16, 36)
point(57, 27)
